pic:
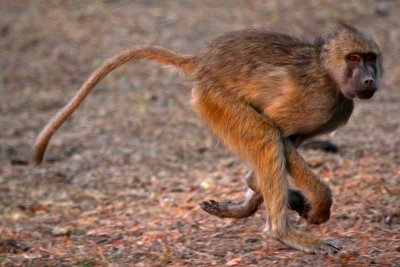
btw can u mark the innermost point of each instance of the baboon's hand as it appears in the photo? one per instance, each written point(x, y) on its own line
point(318, 216)
point(298, 203)
point(320, 207)
point(316, 213)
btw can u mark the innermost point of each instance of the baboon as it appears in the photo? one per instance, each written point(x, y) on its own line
point(264, 93)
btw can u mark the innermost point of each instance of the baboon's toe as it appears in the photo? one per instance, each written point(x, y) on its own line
point(211, 206)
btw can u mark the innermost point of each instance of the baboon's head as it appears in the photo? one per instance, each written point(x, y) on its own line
point(353, 59)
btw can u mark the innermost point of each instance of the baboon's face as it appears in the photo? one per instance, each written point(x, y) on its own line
point(361, 77)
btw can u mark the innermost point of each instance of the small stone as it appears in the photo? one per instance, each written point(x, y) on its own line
point(60, 231)
point(207, 184)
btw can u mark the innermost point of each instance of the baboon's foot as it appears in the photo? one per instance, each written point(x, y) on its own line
point(229, 209)
point(308, 243)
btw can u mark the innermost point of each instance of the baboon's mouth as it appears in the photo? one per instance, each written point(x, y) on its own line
point(365, 94)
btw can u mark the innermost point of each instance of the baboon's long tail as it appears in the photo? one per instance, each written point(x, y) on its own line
point(184, 63)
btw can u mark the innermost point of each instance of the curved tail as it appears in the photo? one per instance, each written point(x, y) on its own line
point(185, 63)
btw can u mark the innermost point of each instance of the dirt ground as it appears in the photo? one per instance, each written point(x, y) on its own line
point(123, 178)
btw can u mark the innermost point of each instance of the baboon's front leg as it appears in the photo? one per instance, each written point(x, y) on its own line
point(316, 191)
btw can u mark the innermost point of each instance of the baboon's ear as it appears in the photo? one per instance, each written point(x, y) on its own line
point(320, 43)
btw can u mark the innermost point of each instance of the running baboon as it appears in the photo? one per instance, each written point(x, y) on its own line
point(263, 94)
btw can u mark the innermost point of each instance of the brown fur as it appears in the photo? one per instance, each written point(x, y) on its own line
point(263, 94)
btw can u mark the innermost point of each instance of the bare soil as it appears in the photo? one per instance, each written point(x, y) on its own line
point(123, 178)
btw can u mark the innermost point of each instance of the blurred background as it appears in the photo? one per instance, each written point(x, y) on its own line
point(122, 178)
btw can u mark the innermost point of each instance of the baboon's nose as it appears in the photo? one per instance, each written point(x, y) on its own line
point(369, 81)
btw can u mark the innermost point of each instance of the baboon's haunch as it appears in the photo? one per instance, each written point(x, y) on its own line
point(263, 94)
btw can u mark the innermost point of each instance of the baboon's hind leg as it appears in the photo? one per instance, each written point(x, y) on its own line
point(247, 207)
point(231, 209)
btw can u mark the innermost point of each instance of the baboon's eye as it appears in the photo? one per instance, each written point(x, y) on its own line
point(370, 58)
point(354, 59)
